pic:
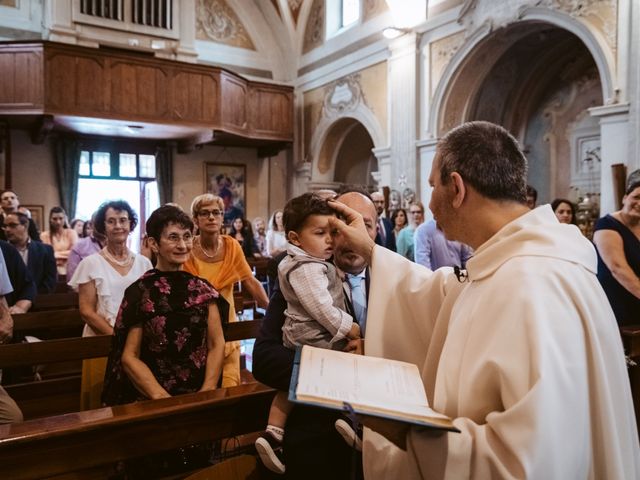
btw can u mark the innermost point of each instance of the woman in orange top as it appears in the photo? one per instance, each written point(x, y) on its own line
point(219, 260)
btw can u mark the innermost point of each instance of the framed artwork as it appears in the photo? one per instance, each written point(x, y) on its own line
point(37, 214)
point(227, 182)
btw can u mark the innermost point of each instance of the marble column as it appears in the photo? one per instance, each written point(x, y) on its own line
point(615, 142)
point(402, 74)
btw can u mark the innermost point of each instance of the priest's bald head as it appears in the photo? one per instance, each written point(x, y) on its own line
point(479, 182)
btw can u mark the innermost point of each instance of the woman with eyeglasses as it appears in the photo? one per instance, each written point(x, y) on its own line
point(404, 242)
point(168, 334)
point(219, 259)
point(100, 280)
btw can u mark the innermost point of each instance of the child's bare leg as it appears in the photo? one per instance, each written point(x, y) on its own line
point(280, 409)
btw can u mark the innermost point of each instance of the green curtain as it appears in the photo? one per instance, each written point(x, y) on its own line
point(164, 172)
point(67, 158)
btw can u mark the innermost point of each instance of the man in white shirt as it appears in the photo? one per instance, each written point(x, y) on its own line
point(522, 352)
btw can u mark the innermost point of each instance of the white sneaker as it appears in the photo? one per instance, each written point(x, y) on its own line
point(346, 431)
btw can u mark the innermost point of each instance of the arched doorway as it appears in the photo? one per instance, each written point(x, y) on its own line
point(538, 80)
point(346, 157)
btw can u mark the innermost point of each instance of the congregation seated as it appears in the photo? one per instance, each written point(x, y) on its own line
point(38, 256)
point(60, 237)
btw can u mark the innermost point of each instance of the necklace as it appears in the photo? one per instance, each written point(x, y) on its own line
point(205, 252)
point(121, 263)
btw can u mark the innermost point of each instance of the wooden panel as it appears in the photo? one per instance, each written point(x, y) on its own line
point(138, 90)
point(234, 103)
point(271, 112)
point(61, 81)
point(56, 445)
point(90, 85)
point(21, 80)
point(196, 97)
point(54, 301)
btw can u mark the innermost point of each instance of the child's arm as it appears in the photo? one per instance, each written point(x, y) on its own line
point(310, 284)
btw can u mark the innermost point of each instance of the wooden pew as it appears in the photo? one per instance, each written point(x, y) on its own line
point(631, 342)
point(68, 444)
point(48, 325)
point(63, 392)
point(54, 301)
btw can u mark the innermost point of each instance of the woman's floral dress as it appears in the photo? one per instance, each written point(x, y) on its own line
point(172, 308)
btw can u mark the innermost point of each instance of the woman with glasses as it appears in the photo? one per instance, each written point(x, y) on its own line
point(60, 237)
point(219, 259)
point(100, 280)
point(168, 335)
point(404, 243)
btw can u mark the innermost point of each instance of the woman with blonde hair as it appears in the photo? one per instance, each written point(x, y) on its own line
point(276, 239)
point(219, 259)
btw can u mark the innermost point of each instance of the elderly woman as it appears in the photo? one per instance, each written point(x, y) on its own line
point(617, 239)
point(168, 335)
point(565, 210)
point(219, 260)
point(101, 280)
point(60, 237)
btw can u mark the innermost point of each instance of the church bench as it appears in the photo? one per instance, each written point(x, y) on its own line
point(74, 442)
point(54, 301)
point(49, 324)
point(61, 381)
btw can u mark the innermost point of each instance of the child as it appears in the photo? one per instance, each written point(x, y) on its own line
point(315, 299)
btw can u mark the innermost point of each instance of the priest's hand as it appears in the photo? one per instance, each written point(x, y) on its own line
point(352, 230)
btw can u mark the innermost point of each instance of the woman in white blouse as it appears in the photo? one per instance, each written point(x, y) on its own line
point(276, 239)
point(101, 280)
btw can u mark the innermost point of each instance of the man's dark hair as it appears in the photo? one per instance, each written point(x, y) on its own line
point(164, 216)
point(22, 218)
point(533, 193)
point(298, 209)
point(118, 206)
point(487, 157)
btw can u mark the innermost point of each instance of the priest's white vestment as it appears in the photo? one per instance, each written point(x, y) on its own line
point(525, 356)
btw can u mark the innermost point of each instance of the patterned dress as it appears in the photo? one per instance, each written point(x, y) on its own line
point(172, 308)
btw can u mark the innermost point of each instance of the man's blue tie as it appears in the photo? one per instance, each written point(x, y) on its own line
point(358, 301)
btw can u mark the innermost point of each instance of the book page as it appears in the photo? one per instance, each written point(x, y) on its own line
point(364, 381)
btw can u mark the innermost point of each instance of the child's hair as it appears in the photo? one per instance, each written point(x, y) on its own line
point(298, 209)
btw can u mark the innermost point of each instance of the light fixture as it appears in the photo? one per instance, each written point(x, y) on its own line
point(393, 32)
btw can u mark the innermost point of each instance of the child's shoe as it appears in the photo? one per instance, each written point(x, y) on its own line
point(270, 451)
point(349, 434)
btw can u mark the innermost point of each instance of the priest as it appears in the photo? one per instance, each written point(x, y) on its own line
point(522, 349)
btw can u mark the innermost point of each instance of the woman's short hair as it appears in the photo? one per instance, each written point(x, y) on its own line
point(487, 157)
point(205, 199)
point(118, 206)
point(164, 216)
point(633, 181)
point(556, 203)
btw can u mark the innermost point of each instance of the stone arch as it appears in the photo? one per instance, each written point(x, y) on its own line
point(537, 77)
point(330, 134)
point(528, 17)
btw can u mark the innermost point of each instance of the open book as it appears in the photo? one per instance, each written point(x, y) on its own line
point(368, 385)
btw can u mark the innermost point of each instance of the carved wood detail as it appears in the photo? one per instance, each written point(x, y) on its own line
point(122, 87)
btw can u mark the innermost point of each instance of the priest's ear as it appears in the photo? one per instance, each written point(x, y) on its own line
point(459, 190)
